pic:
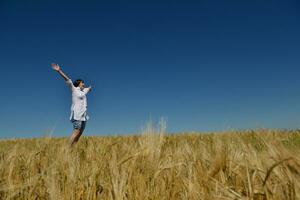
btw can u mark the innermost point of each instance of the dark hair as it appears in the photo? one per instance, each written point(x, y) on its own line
point(77, 82)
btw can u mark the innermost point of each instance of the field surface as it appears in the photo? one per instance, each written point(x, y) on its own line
point(262, 164)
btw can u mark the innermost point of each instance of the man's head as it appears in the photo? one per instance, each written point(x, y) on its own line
point(79, 83)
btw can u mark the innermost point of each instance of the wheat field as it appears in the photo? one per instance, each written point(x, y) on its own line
point(262, 164)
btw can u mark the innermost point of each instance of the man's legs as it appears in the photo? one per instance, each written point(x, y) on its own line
point(75, 136)
point(79, 127)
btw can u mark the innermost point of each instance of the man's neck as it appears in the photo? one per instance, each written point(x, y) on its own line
point(80, 88)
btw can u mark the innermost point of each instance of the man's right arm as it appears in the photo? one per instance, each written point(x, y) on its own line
point(57, 68)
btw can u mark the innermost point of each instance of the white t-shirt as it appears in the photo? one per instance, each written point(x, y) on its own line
point(79, 102)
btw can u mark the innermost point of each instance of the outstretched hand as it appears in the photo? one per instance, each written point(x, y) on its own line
point(55, 67)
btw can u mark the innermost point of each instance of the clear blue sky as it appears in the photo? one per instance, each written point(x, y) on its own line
point(206, 65)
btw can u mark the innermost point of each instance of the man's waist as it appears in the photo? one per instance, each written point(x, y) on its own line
point(79, 108)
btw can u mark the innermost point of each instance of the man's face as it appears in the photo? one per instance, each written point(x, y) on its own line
point(81, 85)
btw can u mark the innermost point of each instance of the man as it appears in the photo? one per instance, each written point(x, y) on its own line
point(79, 115)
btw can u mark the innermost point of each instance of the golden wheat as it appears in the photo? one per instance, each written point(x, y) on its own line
point(262, 164)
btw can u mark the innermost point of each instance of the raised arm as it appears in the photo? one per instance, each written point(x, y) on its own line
point(65, 77)
point(55, 67)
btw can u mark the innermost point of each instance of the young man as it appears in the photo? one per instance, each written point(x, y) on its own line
point(79, 115)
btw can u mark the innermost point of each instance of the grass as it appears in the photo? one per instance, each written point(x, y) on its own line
point(262, 164)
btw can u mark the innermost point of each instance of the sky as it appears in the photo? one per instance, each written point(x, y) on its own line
point(202, 65)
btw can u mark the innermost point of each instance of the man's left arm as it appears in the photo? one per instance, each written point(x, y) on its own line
point(87, 90)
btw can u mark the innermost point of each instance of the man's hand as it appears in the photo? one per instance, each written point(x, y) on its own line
point(90, 88)
point(55, 67)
